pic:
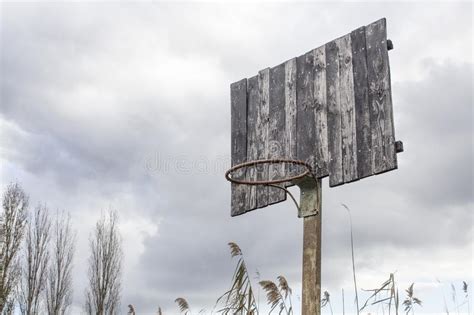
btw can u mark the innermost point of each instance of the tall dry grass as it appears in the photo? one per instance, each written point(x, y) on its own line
point(278, 295)
point(240, 298)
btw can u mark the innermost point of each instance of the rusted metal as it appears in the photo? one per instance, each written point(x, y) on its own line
point(305, 181)
point(267, 182)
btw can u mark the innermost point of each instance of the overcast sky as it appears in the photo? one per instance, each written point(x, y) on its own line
point(127, 106)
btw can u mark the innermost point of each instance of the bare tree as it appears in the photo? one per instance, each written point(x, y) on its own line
point(12, 224)
point(59, 279)
point(35, 262)
point(105, 268)
point(2, 241)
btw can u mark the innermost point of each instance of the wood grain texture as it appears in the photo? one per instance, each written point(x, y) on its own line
point(305, 109)
point(320, 112)
point(262, 134)
point(380, 99)
point(330, 107)
point(276, 131)
point(290, 114)
point(346, 94)
point(362, 113)
point(252, 151)
point(334, 115)
point(238, 92)
point(311, 103)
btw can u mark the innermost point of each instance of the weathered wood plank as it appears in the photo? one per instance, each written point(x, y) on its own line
point(276, 130)
point(334, 115)
point(262, 133)
point(380, 98)
point(252, 151)
point(238, 92)
point(320, 112)
point(346, 94)
point(305, 119)
point(312, 143)
point(362, 113)
point(290, 115)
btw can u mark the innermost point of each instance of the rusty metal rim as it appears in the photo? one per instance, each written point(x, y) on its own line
point(267, 182)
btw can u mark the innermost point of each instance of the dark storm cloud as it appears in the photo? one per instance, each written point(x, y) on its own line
point(130, 103)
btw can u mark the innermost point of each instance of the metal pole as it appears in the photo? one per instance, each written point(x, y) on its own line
point(311, 302)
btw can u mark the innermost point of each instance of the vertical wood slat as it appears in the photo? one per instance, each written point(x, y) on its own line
point(334, 115)
point(252, 152)
point(262, 134)
point(276, 130)
point(290, 114)
point(312, 143)
point(239, 204)
point(380, 100)
point(362, 113)
point(320, 112)
point(305, 126)
point(346, 98)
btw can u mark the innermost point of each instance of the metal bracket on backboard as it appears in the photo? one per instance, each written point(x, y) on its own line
point(389, 44)
point(310, 196)
point(398, 146)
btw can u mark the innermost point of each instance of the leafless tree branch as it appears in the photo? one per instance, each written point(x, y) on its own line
point(105, 268)
point(12, 226)
point(35, 262)
point(58, 293)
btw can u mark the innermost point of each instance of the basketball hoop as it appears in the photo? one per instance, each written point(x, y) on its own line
point(307, 109)
point(305, 180)
point(269, 182)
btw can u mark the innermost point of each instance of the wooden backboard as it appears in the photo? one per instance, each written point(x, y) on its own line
point(331, 107)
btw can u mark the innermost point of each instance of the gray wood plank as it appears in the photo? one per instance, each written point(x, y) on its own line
point(346, 97)
point(305, 119)
point(334, 115)
point(362, 113)
point(380, 99)
point(320, 112)
point(262, 134)
point(252, 151)
point(238, 92)
point(312, 140)
point(290, 115)
point(276, 130)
